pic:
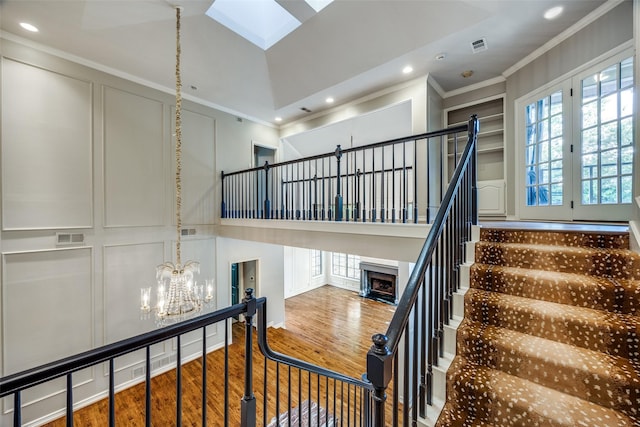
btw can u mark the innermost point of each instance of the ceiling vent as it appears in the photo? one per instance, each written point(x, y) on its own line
point(479, 45)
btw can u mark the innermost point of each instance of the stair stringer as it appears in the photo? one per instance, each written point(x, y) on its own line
point(450, 333)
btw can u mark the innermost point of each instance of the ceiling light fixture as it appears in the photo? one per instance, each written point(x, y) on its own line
point(441, 56)
point(278, 119)
point(407, 70)
point(29, 27)
point(466, 74)
point(329, 100)
point(553, 13)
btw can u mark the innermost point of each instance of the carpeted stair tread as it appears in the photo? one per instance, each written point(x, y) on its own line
point(613, 240)
point(564, 288)
point(616, 263)
point(608, 380)
point(506, 400)
point(612, 333)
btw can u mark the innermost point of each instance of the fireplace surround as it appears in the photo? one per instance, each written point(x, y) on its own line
point(379, 282)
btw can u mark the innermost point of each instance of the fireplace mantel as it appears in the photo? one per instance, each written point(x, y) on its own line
point(365, 285)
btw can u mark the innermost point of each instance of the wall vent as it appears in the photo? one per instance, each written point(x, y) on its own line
point(66, 239)
point(188, 232)
point(479, 45)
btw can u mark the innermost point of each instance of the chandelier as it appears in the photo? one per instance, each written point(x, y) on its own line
point(177, 293)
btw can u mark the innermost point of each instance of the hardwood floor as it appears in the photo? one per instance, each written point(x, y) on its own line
point(328, 326)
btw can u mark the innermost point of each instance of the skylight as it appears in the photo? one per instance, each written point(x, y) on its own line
point(262, 22)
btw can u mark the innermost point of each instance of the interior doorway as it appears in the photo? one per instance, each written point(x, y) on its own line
point(244, 275)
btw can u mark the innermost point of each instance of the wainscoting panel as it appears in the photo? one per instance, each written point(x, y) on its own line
point(198, 168)
point(46, 149)
point(135, 186)
point(47, 302)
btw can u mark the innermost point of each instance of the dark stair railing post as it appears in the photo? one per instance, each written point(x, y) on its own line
point(224, 206)
point(338, 154)
point(379, 371)
point(267, 203)
point(474, 128)
point(248, 404)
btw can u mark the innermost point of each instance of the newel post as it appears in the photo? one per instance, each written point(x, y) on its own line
point(248, 403)
point(379, 371)
point(267, 202)
point(224, 206)
point(338, 154)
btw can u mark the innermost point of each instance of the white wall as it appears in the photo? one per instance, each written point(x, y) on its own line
point(86, 152)
point(297, 271)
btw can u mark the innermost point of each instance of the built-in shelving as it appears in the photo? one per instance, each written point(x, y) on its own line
point(491, 167)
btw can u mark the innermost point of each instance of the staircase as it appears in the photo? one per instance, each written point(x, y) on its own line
point(551, 333)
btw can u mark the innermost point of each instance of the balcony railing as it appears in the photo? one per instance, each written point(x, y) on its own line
point(399, 180)
point(413, 340)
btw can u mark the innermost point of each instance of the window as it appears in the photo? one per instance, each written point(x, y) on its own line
point(345, 265)
point(316, 263)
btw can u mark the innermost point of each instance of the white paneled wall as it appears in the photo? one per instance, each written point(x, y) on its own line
point(46, 149)
point(93, 154)
point(134, 159)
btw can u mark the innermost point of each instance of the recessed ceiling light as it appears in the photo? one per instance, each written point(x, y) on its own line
point(466, 74)
point(408, 69)
point(329, 100)
point(553, 13)
point(278, 119)
point(441, 56)
point(29, 27)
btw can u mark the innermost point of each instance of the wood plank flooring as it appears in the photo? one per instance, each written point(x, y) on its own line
point(328, 326)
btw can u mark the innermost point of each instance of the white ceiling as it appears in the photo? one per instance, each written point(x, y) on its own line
point(349, 49)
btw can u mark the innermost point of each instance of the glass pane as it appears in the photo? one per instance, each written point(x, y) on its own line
point(589, 89)
point(556, 149)
point(609, 190)
point(590, 140)
point(544, 151)
point(556, 102)
point(626, 73)
point(590, 160)
point(531, 195)
point(544, 173)
point(626, 131)
point(609, 158)
point(589, 192)
point(556, 171)
point(626, 102)
point(610, 170)
point(531, 134)
point(543, 195)
point(626, 160)
point(625, 189)
point(609, 108)
point(609, 80)
point(556, 194)
point(543, 108)
point(531, 154)
point(530, 113)
point(556, 126)
point(589, 172)
point(609, 136)
point(543, 131)
point(590, 114)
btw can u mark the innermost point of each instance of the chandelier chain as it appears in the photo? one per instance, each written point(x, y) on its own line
point(178, 139)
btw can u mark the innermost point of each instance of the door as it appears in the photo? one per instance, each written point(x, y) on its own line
point(576, 146)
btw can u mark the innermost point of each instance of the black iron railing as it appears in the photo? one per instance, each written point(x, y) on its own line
point(426, 304)
point(390, 181)
point(297, 386)
point(291, 386)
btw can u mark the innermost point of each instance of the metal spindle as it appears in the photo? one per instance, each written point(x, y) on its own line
point(112, 397)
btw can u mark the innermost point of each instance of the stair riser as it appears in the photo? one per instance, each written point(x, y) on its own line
point(572, 239)
point(591, 262)
point(570, 289)
point(615, 392)
point(614, 338)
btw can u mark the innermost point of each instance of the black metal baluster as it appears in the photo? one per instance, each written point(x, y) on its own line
point(374, 201)
point(278, 392)
point(204, 376)
point(178, 382)
point(415, 181)
point(405, 203)
point(396, 392)
point(383, 213)
point(248, 404)
point(265, 375)
point(69, 400)
point(147, 387)
point(405, 386)
point(226, 372)
point(17, 409)
point(338, 200)
point(112, 397)
point(393, 183)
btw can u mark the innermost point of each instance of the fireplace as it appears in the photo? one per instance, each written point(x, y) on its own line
point(378, 282)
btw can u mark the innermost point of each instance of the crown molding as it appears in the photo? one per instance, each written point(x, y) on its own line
point(474, 86)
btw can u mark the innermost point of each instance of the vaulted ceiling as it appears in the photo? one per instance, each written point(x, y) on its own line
point(348, 49)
